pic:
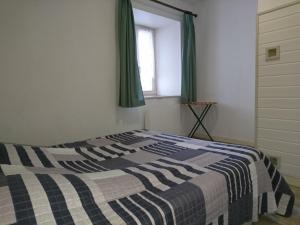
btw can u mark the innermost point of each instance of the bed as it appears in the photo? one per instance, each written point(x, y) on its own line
point(139, 177)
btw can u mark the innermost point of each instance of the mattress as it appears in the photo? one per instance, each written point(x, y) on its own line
point(139, 177)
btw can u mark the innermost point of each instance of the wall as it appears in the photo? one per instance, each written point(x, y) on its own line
point(226, 44)
point(265, 5)
point(58, 65)
point(172, 116)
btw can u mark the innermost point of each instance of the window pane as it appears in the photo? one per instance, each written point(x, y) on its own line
point(146, 59)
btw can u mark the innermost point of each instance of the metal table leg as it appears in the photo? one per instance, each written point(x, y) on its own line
point(197, 124)
point(199, 121)
point(195, 127)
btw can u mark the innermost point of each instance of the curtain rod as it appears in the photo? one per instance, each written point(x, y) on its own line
point(173, 7)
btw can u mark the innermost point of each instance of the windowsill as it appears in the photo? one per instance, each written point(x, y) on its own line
point(160, 96)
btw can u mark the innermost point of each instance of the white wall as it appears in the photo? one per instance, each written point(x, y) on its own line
point(58, 65)
point(166, 114)
point(226, 44)
point(266, 5)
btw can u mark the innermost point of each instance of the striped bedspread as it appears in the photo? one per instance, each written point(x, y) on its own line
point(139, 178)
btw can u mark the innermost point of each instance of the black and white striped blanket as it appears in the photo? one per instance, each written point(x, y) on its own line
point(139, 178)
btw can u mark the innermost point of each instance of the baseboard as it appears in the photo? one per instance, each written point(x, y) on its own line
point(225, 140)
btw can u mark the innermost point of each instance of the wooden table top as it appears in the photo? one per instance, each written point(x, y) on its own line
point(200, 103)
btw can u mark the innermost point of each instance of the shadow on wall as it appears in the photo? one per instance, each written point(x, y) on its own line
point(165, 115)
point(222, 129)
point(130, 116)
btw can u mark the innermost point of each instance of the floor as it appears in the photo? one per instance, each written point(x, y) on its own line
point(279, 220)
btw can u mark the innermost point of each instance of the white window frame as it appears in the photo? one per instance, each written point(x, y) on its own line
point(154, 81)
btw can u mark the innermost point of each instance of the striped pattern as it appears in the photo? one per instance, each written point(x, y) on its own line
point(163, 148)
point(180, 181)
point(84, 166)
point(24, 155)
point(104, 153)
point(125, 138)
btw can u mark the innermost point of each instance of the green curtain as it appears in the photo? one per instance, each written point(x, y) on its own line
point(131, 93)
point(188, 81)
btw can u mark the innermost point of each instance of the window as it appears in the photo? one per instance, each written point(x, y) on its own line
point(159, 53)
point(146, 59)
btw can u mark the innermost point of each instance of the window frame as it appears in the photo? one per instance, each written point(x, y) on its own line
point(154, 81)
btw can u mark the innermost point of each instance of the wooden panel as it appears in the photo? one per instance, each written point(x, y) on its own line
point(287, 45)
point(285, 114)
point(287, 136)
point(291, 170)
point(285, 125)
point(280, 23)
point(280, 146)
point(284, 159)
point(279, 81)
point(285, 57)
point(279, 103)
point(278, 88)
point(279, 13)
point(280, 35)
point(279, 69)
point(279, 92)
